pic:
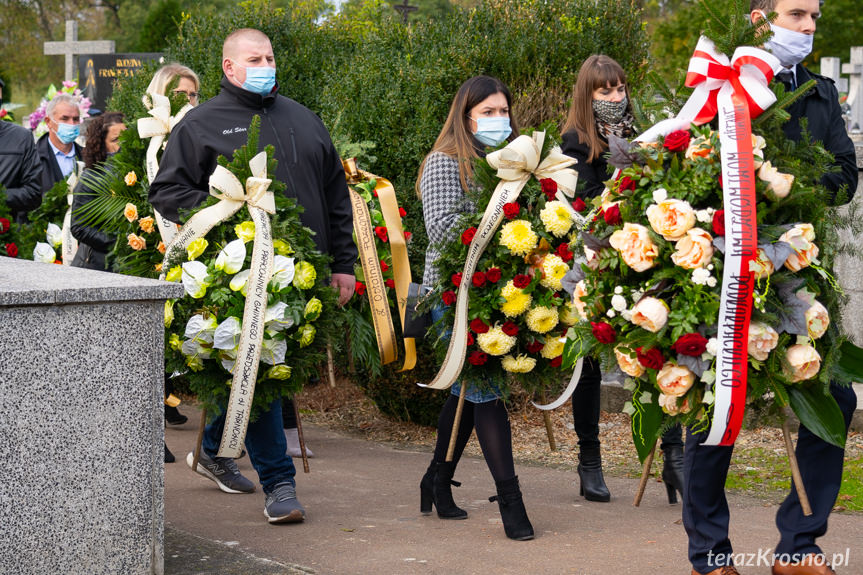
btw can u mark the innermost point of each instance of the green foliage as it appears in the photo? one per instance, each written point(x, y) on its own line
point(50, 211)
point(161, 25)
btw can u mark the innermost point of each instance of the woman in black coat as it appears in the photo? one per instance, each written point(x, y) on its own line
point(601, 108)
point(103, 134)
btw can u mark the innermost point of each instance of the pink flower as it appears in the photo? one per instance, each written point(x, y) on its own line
point(674, 379)
point(802, 362)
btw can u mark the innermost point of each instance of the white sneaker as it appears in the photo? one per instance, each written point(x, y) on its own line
point(293, 438)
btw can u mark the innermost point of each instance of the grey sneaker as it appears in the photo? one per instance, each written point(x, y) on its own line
point(282, 506)
point(222, 470)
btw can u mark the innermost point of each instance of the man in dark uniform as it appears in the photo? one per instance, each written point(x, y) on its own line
point(705, 509)
point(310, 166)
point(58, 151)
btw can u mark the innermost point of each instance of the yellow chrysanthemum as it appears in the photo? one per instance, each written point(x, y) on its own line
point(556, 218)
point(515, 302)
point(518, 237)
point(542, 319)
point(245, 231)
point(495, 342)
point(282, 247)
point(520, 364)
point(553, 347)
point(553, 270)
point(304, 275)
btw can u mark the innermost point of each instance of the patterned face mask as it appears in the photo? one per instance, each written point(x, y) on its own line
point(609, 112)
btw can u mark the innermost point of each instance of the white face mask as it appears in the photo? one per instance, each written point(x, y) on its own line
point(788, 46)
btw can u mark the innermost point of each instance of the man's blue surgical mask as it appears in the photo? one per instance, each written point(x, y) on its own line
point(492, 131)
point(260, 79)
point(788, 46)
point(68, 133)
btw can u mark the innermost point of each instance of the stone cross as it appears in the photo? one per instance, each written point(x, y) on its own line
point(854, 70)
point(832, 68)
point(70, 47)
point(405, 9)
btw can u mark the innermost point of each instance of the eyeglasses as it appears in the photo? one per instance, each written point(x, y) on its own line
point(192, 96)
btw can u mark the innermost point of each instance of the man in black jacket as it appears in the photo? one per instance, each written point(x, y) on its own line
point(310, 166)
point(705, 509)
point(19, 170)
point(58, 151)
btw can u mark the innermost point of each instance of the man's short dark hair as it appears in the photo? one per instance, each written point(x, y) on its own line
point(766, 6)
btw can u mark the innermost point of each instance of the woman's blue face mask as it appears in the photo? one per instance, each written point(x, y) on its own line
point(492, 131)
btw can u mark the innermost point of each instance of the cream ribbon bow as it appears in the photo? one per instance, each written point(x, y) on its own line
point(259, 200)
point(157, 128)
point(515, 164)
point(69, 246)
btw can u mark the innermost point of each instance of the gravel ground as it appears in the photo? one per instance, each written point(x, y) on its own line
point(346, 409)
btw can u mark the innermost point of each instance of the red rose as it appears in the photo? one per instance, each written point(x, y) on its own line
point(478, 358)
point(12, 250)
point(720, 181)
point(408, 236)
point(381, 233)
point(603, 332)
point(677, 141)
point(359, 288)
point(390, 283)
point(563, 252)
point(509, 328)
point(470, 339)
point(612, 215)
point(719, 223)
point(651, 358)
point(4, 225)
point(478, 279)
point(521, 281)
point(402, 212)
point(535, 347)
point(626, 183)
point(448, 297)
point(578, 205)
point(493, 275)
point(478, 326)
point(549, 188)
point(692, 344)
point(456, 279)
point(3, 113)
point(556, 362)
point(510, 210)
point(384, 266)
point(467, 236)
point(375, 193)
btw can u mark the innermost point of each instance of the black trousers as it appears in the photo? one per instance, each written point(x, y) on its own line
point(705, 508)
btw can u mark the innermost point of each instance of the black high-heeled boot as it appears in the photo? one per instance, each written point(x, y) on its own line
point(169, 457)
point(593, 486)
point(516, 525)
point(672, 472)
point(436, 489)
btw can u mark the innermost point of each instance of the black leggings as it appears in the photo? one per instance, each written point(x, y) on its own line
point(491, 421)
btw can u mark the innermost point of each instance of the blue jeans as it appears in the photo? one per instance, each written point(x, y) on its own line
point(265, 443)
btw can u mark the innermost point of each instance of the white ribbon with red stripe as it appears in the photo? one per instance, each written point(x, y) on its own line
point(749, 70)
point(736, 90)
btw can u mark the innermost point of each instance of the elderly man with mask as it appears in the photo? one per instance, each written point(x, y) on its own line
point(312, 170)
point(58, 151)
point(705, 509)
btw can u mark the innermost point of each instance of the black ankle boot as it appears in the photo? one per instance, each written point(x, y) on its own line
point(515, 522)
point(436, 488)
point(593, 486)
point(173, 416)
point(672, 472)
point(169, 457)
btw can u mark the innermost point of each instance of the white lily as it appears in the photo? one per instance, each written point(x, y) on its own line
point(198, 328)
point(54, 235)
point(195, 279)
point(231, 258)
point(240, 282)
point(275, 317)
point(227, 335)
point(44, 253)
point(283, 271)
point(273, 351)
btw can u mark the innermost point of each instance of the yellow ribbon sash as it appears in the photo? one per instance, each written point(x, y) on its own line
point(515, 164)
point(259, 200)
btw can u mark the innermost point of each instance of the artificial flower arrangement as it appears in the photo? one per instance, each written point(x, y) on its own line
point(649, 293)
point(121, 206)
point(518, 314)
point(8, 234)
point(42, 236)
point(203, 328)
point(37, 117)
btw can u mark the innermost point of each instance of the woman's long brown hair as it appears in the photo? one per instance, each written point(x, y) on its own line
point(455, 138)
point(597, 71)
point(97, 130)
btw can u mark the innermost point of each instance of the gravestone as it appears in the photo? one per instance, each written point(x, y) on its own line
point(81, 391)
point(98, 72)
point(854, 70)
point(70, 47)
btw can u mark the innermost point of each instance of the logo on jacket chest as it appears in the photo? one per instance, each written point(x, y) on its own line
point(234, 130)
